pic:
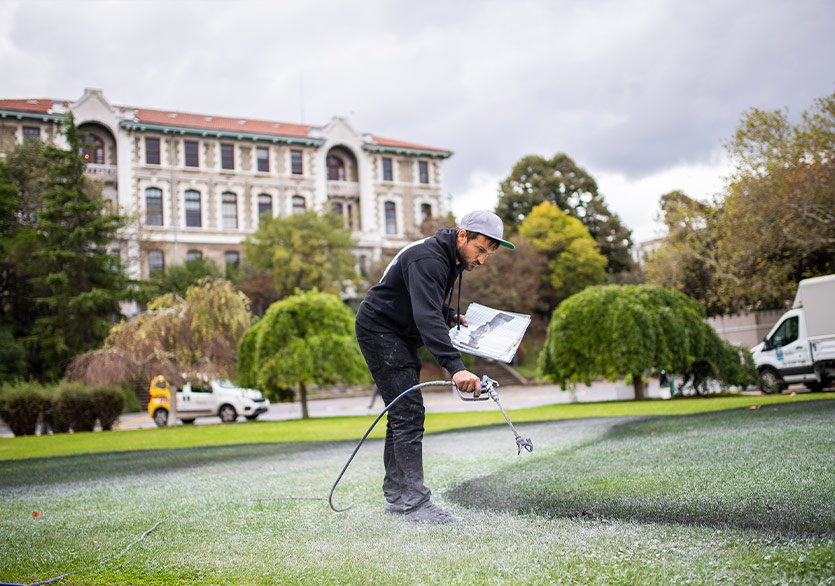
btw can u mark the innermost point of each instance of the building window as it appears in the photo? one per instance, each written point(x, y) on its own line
point(351, 217)
point(425, 212)
point(336, 169)
point(227, 156)
point(263, 156)
point(194, 217)
point(92, 149)
point(337, 208)
point(152, 156)
point(299, 205)
point(265, 206)
point(388, 172)
point(116, 253)
point(153, 206)
point(230, 211)
point(296, 167)
point(391, 218)
point(423, 172)
point(233, 259)
point(192, 154)
point(193, 255)
point(31, 133)
point(156, 262)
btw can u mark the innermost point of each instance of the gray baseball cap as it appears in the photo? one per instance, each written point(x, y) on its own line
point(486, 223)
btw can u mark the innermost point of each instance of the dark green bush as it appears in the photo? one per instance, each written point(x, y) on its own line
point(132, 404)
point(109, 402)
point(22, 405)
point(75, 406)
point(52, 422)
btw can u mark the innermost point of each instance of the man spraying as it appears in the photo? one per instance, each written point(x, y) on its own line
point(409, 308)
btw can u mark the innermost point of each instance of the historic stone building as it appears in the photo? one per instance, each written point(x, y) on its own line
point(196, 185)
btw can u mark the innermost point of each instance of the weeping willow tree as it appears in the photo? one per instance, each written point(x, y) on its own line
point(629, 330)
point(305, 339)
point(177, 337)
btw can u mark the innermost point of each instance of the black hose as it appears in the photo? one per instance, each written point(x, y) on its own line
point(434, 383)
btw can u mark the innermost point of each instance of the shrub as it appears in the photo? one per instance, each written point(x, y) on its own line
point(132, 404)
point(22, 405)
point(75, 406)
point(108, 404)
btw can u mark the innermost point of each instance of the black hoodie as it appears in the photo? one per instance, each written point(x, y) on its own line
point(410, 299)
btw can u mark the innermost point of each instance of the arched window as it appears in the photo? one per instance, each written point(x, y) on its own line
point(194, 255)
point(194, 217)
point(299, 205)
point(425, 212)
point(391, 217)
point(156, 262)
point(92, 149)
point(336, 168)
point(153, 206)
point(229, 208)
point(265, 206)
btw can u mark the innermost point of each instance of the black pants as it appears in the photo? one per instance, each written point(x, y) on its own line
point(395, 366)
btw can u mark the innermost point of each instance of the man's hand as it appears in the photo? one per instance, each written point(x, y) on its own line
point(458, 319)
point(467, 382)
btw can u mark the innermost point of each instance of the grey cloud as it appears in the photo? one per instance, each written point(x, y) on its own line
point(629, 87)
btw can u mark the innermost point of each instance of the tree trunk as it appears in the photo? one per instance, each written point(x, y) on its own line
point(639, 386)
point(303, 399)
point(172, 405)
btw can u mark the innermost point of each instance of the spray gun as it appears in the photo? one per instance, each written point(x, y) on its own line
point(488, 391)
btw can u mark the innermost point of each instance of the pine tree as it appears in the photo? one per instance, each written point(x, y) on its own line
point(78, 282)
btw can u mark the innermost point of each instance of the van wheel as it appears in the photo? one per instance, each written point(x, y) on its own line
point(818, 386)
point(227, 413)
point(770, 381)
point(161, 417)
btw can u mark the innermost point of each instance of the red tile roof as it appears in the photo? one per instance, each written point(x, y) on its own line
point(221, 123)
point(399, 143)
point(187, 120)
point(27, 105)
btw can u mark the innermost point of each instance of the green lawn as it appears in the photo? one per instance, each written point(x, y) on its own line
point(341, 428)
point(687, 494)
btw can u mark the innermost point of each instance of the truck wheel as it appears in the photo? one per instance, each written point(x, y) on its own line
point(161, 417)
point(227, 413)
point(770, 381)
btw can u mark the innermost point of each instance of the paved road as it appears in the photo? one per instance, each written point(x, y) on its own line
point(436, 401)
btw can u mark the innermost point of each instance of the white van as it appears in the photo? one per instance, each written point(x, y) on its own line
point(800, 348)
point(217, 398)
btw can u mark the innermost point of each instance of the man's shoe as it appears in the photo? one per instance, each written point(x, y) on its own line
point(394, 508)
point(430, 514)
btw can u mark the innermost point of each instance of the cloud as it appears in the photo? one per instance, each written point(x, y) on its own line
point(630, 89)
point(636, 199)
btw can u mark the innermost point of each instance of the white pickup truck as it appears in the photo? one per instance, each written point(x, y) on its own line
point(800, 348)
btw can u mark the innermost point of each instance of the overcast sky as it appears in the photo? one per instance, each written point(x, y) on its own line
point(641, 94)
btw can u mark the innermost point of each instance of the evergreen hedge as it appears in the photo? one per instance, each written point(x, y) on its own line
point(21, 406)
point(68, 405)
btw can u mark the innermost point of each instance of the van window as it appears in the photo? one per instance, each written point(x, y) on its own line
point(200, 388)
point(787, 332)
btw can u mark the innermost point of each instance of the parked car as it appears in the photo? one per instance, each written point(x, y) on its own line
point(800, 348)
point(216, 398)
